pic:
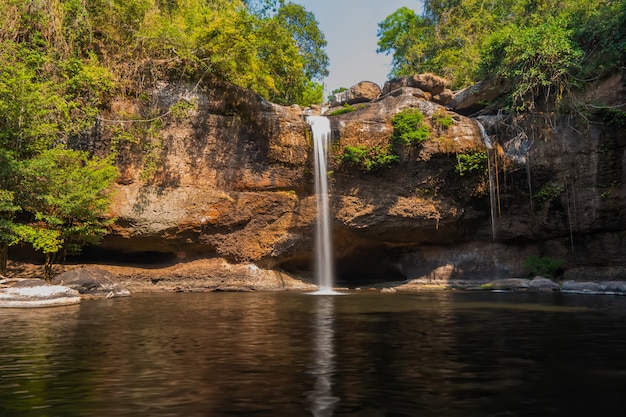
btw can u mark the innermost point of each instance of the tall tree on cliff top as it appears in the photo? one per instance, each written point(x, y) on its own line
point(276, 50)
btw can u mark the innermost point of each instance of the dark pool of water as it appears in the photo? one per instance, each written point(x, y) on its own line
point(363, 354)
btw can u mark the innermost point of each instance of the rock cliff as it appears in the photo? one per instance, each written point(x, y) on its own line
point(232, 181)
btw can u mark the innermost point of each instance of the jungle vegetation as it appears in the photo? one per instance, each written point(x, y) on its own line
point(62, 62)
point(540, 49)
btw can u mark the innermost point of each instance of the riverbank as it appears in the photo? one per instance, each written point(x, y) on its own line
point(205, 275)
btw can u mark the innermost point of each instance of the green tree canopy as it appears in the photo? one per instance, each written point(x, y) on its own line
point(548, 44)
point(66, 195)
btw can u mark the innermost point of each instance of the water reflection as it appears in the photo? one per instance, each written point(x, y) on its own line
point(284, 354)
point(323, 367)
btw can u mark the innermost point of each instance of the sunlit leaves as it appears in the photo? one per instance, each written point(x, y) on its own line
point(542, 48)
point(67, 194)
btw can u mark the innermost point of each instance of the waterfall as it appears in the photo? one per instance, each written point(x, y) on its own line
point(320, 126)
point(492, 197)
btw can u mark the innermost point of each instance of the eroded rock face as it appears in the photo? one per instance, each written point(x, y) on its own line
point(228, 181)
point(234, 182)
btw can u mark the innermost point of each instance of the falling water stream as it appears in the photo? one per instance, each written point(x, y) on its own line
point(492, 198)
point(320, 127)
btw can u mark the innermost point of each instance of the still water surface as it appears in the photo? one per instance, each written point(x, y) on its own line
point(284, 354)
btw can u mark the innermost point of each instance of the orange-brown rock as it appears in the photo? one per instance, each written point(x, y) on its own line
point(233, 182)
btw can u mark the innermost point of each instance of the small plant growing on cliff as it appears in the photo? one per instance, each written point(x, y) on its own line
point(346, 108)
point(368, 159)
point(183, 108)
point(543, 266)
point(409, 127)
point(547, 193)
point(441, 119)
point(471, 162)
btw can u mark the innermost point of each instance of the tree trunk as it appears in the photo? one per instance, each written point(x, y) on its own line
point(4, 257)
point(47, 267)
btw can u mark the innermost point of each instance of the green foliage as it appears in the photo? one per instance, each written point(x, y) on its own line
point(30, 110)
point(547, 193)
point(470, 162)
point(404, 35)
point(537, 60)
point(543, 266)
point(181, 109)
point(346, 108)
point(409, 127)
point(278, 55)
point(67, 194)
point(336, 91)
point(613, 117)
point(442, 119)
point(369, 159)
point(90, 49)
point(542, 48)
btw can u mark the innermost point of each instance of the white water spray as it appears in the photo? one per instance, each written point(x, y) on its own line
point(320, 127)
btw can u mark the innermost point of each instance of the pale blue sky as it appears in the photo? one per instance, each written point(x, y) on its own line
point(350, 27)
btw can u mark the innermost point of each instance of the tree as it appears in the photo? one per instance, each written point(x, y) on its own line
point(538, 61)
point(546, 45)
point(309, 40)
point(67, 195)
point(8, 207)
point(403, 36)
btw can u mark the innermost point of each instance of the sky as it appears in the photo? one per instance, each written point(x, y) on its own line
point(350, 27)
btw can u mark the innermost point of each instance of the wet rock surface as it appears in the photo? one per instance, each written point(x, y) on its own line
point(93, 282)
point(35, 293)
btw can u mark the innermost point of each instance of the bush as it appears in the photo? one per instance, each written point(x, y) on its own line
point(346, 108)
point(409, 127)
point(547, 193)
point(368, 159)
point(470, 162)
point(442, 119)
point(543, 266)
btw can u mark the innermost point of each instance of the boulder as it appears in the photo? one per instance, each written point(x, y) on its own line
point(41, 295)
point(95, 282)
point(427, 82)
point(541, 284)
point(363, 92)
point(581, 287)
point(613, 287)
point(444, 97)
point(476, 97)
point(593, 287)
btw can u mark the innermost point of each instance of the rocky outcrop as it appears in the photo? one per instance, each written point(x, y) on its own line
point(206, 275)
point(233, 186)
point(435, 88)
point(476, 97)
point(228, 183)
point(92, 282)
point(363, 92)
point(36, 294)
